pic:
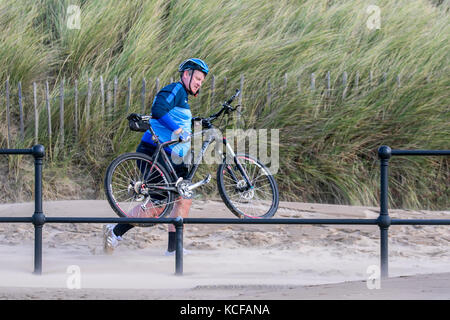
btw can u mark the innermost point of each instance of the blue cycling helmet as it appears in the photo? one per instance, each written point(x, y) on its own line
point(194, 64)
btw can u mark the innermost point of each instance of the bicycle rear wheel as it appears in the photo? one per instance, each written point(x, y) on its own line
point(131, 182)
point(261, 201)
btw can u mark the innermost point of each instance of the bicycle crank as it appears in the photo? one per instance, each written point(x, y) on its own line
point(185, 188)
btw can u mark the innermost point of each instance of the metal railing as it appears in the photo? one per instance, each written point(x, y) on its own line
point(383, 221)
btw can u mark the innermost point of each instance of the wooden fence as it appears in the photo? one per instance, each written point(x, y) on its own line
point(107, 99)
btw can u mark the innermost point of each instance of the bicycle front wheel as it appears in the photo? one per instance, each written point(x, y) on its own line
point(261, 201)
point(134, 187)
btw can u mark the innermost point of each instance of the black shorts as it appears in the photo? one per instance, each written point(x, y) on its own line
point(148, 149)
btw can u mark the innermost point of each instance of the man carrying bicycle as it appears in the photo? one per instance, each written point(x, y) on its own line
point(171, 117)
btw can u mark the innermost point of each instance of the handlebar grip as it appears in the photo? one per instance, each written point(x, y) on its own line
point(234, 97)
point(180, 139)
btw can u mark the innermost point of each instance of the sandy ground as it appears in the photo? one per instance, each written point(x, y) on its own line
point(226, 261)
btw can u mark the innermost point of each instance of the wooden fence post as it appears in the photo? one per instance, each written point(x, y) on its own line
point(213, 88)
point(61, 112)
point(328, 78)
point(36, 114)
point(49, 122)
point(22, 135)
point(241, 88)
point(143, 96)
point(8, 118)
point(102, 95)
point(129, 94)
point(225, 86)
point(157, 85)
point(313, 81)
point(88, 102)
point(76, 109)
point(344, 84)
point(109, 101)
point(269, 95)
point(116, 82)
point(357, 80)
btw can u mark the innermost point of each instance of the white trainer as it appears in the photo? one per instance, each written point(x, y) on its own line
point(110, 240)
point(172, 253)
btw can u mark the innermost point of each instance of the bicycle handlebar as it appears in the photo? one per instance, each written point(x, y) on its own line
point(226, 107)
point(238, 92)
point(206, 122)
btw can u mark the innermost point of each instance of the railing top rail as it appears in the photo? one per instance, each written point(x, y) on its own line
point(227, 221)
point(191, 220)
point(385, 152)
point(396, 152)
point(279, 221)
point(37, 151)
point(16, 151)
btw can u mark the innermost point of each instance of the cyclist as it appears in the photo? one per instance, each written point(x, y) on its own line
point(171, 118)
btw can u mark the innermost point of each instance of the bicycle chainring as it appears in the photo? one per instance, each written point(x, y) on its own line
point(183, 190)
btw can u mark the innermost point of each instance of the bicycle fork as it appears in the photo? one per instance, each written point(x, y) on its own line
point(238, 165)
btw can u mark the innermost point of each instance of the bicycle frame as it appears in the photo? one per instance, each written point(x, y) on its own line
point(229, 149)
point(206, 144)
point(197, 162)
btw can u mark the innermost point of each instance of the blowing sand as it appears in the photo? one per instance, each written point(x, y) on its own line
point(226, 261)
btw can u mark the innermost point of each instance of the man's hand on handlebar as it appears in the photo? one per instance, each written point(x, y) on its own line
point(196, 119)
point(184, 136)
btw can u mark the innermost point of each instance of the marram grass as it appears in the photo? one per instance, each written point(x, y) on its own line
point(328, 139)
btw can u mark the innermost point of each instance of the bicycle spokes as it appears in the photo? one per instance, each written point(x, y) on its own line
point(135, 182)
point(252, 200)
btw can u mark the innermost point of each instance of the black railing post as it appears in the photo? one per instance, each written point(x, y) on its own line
point(38, 152)
point(384, 221)
point(179, 248)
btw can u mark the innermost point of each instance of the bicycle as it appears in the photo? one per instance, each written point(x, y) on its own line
point(245, 185)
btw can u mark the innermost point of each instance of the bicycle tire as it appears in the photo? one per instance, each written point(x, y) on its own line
point(117, 174)
point(226, 193)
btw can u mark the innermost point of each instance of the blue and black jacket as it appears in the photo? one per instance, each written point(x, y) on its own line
point(170, 111)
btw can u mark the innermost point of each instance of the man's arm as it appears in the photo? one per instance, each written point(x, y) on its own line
point(163, 103)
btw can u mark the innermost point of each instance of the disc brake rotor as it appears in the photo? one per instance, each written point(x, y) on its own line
point(246, 194)
point(135, 191)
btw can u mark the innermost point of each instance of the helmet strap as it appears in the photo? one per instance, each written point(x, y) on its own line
point(188, 89)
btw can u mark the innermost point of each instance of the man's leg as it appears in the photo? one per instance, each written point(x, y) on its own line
point(137, 212)
point(114, 233)
point(150, 212)
point(181, 208)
